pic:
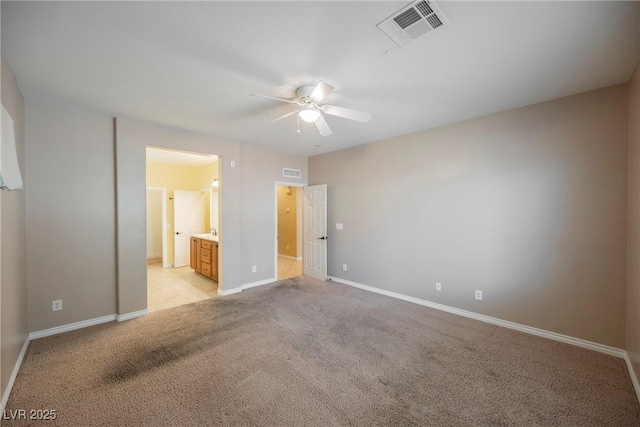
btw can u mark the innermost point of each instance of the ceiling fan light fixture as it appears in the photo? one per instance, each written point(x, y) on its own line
point(309, 114)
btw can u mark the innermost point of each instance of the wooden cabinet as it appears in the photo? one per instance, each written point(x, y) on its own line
point(195, 246)
point(214, 261)
point(204, 257)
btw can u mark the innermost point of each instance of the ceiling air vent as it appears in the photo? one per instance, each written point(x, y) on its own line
point(412, 21)
point(291, 173)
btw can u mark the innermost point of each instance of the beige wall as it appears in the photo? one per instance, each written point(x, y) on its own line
point(70, 215)
point(98, 269)
point(154, 224)
point(527, 205)
point(131, 138)
point(180, 177)
point(287, 224)
point(261, 168)
point(633, 242)
point(13, 255)
point(174, 177)
point(207, 174)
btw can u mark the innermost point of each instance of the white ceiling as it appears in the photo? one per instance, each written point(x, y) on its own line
point(193, 65)
point(162, 155)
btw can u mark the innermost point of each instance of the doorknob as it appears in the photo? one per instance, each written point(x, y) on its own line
point(323, 238)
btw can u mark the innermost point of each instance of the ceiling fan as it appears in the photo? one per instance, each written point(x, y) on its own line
point(310, 107)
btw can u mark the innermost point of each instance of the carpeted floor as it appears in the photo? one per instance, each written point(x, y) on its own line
point(304, 352)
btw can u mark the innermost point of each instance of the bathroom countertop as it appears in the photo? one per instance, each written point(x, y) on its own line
point(206, 236)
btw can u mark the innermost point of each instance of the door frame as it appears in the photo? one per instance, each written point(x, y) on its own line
point(163, 192)
point(299, 227)
point(213, 191)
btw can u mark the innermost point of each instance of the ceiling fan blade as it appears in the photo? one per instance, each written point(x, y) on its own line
point(323, 126)
point(347, 113)
point(277, 99)
point(321, 91)
point(284, 116)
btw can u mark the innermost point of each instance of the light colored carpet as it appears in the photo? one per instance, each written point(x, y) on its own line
point(304, 352)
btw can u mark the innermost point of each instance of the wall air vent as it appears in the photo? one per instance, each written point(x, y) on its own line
point(291, 173)
point(412, 21)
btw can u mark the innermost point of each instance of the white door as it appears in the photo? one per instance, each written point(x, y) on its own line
point(315, 231)
point(188, 219)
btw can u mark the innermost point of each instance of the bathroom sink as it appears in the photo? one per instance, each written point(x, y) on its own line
point(206, 236)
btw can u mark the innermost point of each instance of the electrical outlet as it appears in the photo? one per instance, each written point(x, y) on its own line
point(344, 267)
point(254, 268)
point(56, 305)
point(438, 286)
point(479, 295)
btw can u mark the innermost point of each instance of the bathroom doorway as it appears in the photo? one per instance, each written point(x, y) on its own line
point(170, 175)
point(288, 231)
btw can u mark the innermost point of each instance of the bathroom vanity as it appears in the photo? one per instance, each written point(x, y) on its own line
point(204, 255)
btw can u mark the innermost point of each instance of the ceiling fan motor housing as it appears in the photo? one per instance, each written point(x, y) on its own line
point(304, 93)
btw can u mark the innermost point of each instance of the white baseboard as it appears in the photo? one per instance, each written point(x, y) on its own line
point(59, 330)
point(225, 292)
point(245, 286)
point(612, 351)
point(488, 319)
point(14, 374)
point(258, 283)
point(72, 326)
point(132, 315)
point(632, 373)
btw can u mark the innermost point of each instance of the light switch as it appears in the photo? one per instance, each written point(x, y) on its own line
point(339, 226)
point(232, 163)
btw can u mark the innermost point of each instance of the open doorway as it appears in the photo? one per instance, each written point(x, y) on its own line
point(289, 231)
point(182, 201)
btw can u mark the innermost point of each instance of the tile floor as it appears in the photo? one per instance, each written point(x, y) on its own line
point(288, 268)
point(171, 287)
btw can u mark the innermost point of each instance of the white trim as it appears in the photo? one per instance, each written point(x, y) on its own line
point(71, 327)
point(14, 374)
point(132, 315)
point(165, 243)
point(163, 191)
point(225, 292)
point(232, 291)
point(258, 283)
point(504, 323)
point(632, 374)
